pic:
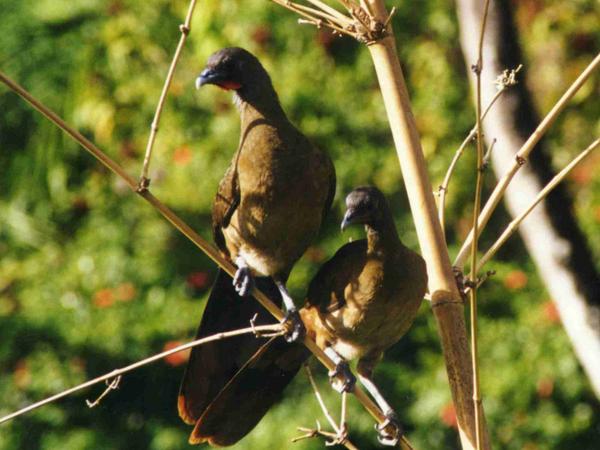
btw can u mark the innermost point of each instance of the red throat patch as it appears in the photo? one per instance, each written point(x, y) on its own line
point(229, 85)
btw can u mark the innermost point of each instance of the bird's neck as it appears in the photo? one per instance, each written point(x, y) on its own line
point(382, 238)
point(264, 105)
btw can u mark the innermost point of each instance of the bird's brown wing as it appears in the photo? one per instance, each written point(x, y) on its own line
point(212, 365)
point(226, 202)
point(326, 290)
point(248, 396)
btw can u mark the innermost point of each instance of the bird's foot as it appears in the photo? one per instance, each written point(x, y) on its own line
point(243, 281)
point(390, 431)
point(346, 384)
point(294, 325)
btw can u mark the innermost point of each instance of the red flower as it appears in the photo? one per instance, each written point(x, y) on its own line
point(515, 280)
point(182, 155)
point(198, 280)
point(550, 311)
point(104, 298)
point(545, 387)
point(448, 415)
point(176, 359)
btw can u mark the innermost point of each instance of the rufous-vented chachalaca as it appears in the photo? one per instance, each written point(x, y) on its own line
point(269, 207)
point(361, 301)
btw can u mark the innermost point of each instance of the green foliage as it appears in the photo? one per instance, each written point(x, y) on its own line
point(91, 278)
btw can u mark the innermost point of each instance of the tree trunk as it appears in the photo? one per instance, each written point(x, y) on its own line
point(550, 233)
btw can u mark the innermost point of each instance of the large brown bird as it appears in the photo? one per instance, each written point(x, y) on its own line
point(269, 207)
point(362, 301)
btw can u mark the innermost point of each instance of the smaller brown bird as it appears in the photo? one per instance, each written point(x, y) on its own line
point(362, 301)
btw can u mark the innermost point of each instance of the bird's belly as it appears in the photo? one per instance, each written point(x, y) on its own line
point(272, 231)
point(375, 326)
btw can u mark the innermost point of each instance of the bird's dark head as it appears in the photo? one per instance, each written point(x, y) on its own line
point(365, 205)
point(235, 69)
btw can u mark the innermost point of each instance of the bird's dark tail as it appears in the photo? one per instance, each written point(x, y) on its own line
point(212, 365)
point(250, 394)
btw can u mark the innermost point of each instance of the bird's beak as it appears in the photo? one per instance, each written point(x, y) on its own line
point(348, 218)
point(209, 76)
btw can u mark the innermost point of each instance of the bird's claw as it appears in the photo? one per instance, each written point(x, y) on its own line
point(243, 281)
point(295, 326)
point(390, 431)
point(349, 380)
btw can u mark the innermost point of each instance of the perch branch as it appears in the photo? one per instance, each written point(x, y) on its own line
point(521, 157)
point(117, 373)
point(514, 224)
point(185, 229)
point(185, 30)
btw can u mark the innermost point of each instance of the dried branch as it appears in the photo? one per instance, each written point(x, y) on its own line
point(113, 385)
point(330, 438)
point(117, 373)
point(185, 229)
point(326, 412)
point(504, 81)
point(476, 206)
point(522, 154)
point(185, 30)
point(340, 434)
point(514, 224)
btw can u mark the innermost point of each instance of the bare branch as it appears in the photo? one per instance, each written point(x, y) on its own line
point(443, 188)
point(476, 206)
point(326, 412)
point(185, 30)
point(113, 385)
point(522, 154)
point(514, 225)
point(117, 373)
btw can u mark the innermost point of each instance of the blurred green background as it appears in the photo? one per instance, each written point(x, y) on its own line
point(92, 278)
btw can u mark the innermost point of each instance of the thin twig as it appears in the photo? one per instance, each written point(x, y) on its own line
point(185, 30)
point(328, 435)
point(138, 364)
point(312, 16)
point(114, 384)
point(476, 206)
point(521, 157)
point(187, 231)
point(513, 226)
point(326, 412)
point(443, 189)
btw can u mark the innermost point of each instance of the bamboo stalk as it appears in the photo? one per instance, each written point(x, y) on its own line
point(521, 157)
point(514, 224)
point(446, 301)
point(187, 231)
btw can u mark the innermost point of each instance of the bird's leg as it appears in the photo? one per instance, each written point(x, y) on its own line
point(297, 330)
point(341, 369)
point(390, 431)
point(243, 281)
